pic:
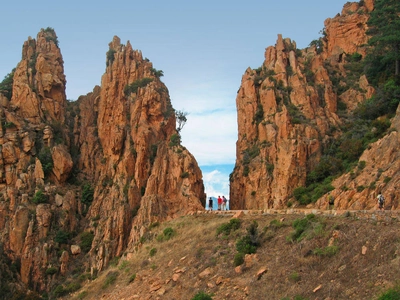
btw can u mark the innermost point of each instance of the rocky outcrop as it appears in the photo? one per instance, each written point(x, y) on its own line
point(39, 80)
point(288, 110)
point(139, 165)
point(109, 164)
point(378, 173)
point(346, 33)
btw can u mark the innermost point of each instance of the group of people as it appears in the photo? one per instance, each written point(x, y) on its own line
point(222, 203)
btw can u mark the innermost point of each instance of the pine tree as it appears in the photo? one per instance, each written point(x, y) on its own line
point(384, 29)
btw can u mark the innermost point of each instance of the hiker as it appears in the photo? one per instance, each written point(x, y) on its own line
point(381, 201)
point(210, 204)
point(219, 202)
point(224, 202)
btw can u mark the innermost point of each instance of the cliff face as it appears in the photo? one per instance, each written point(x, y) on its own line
point(90, 174)
point(288, 110)
point(140, 171)
point(378, 173)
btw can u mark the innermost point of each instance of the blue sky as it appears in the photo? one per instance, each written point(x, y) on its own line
point(203, 48)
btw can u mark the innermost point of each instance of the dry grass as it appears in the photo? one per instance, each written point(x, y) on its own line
point(294, 268)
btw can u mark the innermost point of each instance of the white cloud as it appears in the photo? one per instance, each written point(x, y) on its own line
point(211, 137)
point(216, 183)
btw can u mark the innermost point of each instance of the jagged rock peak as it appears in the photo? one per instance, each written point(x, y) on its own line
point(288, 110)
point(39, 82)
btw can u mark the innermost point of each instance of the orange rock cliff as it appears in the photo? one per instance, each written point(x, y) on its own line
point(102, 168)
point(288, 112)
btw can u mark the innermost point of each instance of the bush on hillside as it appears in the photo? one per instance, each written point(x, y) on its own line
point(202, 296)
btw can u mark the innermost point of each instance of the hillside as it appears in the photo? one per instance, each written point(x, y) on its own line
point(98, 191)
point(336, 257)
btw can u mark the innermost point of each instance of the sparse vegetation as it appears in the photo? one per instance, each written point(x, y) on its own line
point(195, 249)
point(132, 278)
point(185, 175)
point(51, 271)
point(227, 228)
point(302, 228)
point(51, 35)
point(46, 160)
point(134, 86)
point(86, 241)
point(175, 140)
point(6, 84)
point(259, 115)
point(62, 237)
point(110, 279)
point(110, 56)
point(153, 251)
point(87, 194)
point(157, 73)
point(390, 294)
point(327, 251)
point(202, 296)
point(40, 197)
point(181, 119)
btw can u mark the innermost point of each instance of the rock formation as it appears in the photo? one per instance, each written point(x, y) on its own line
point(288, 110)
point(91, 174)
point(129, 148)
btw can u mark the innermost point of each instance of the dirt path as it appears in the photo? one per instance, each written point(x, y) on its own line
point(376, 215)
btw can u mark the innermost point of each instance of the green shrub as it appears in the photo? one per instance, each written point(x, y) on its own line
point(226, 228)
point(300, 227)
point(39, 197)
point(132, 278)
point(246, 170)
point(73, 287)
point(390, 294)
point(9, 125)
point(294, 277)
point(110, 279)
point(59, 291)
point(153, 251)
point(175, 140)
point(275, 224)
point(46, 160)
point(168, 233)
point(387, 179)
point(185, 175)
point(62, 237)
point(51, 35)
point(154, 225)
point(134, 86)
point(6, 85)
point(238, 259)
point(299, 297)
point(327, 251)
point(87, 194)
point(110, 56)
point(51, 271)
point(245, 245)
point(259, 115)
point(86, 241)
point(202, 296)
point(82, 294)
point(114, 261)
point(355, 57)
point(249, 243)
point(157, 73)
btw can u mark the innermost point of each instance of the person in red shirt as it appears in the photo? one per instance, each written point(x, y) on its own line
point(219, 202)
